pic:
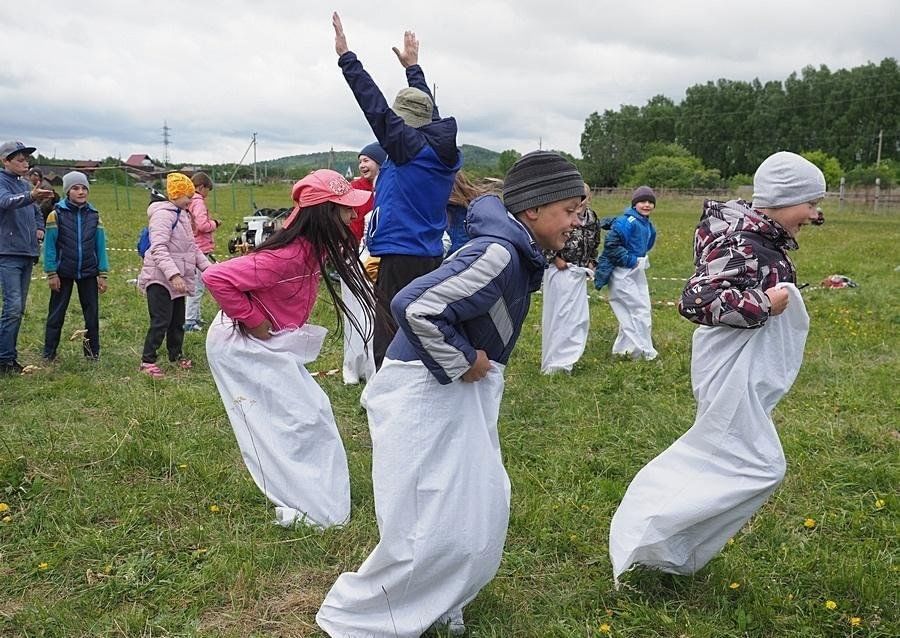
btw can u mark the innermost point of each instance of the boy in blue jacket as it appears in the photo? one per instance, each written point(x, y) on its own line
point(407, 224)
point(622, 264)
point(75, 255)
point(442, 494)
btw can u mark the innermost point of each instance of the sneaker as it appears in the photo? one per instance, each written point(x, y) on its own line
point(152, 370)
point(193, 327)
point(184, 364)
point(10, 368)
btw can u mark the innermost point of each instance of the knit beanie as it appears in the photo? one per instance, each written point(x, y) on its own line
point(178, 185)
point(540, 177)
point(414, 106)
point(643, 194)
point(374, 152)
point(785, 179)
point(73, 178)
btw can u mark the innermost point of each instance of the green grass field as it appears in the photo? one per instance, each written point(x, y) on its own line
point(128, 511)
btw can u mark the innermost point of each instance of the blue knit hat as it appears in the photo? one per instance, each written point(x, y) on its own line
point(374, 152)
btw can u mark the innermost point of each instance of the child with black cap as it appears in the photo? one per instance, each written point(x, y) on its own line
point(622, 264)
point(75, 255)
point(442, 494)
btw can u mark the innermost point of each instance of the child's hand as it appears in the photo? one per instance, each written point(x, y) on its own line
point(178, 284)
point(262, 331)
point(340, 40)
point(410, 54)
point(778, 300)
point(560, 263)
point(53, 282)
point(479, 369)
point(101, 284)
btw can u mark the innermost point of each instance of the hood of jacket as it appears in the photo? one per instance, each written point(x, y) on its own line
point(488, 217)
point(155, 207)
point(738, 216)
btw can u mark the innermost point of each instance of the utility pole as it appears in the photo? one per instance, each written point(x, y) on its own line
point(255, 181)
point(878, 158)
point(165, 137)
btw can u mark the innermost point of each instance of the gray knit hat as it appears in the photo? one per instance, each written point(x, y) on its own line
point(73, 178)
point(540, 177)
point(414, 106)
point(785, 179)
point(643, 194)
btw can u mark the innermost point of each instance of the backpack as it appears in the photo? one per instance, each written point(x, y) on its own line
point(143, 242)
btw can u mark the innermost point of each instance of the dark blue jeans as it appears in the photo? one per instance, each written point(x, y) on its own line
point(15, 277)
point(89, 297)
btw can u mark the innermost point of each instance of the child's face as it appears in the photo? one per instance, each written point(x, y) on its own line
point(368, 168)
point(792, 218)
point(552, 223)
point(645, 208)
point(347, 214)
point(78, 194)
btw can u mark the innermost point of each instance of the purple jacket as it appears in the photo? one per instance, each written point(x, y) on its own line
point(172, 250)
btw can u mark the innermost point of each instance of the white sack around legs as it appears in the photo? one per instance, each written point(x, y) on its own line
point(629, 298)
point(441, 499)
point(359, 358)
point(282, 421)
point(565, 318)
point(683, 506)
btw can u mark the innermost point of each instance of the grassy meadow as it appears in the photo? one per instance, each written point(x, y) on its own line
point(127, 510)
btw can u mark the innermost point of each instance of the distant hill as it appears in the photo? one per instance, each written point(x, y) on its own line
point(473, 156)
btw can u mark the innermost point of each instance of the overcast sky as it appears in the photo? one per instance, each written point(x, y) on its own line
point(92, 79)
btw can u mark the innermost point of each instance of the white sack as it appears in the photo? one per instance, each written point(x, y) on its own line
point(359, 359)
point(282, 421)
point(629, 298)
point(565, 319)
point(441, 500)
point(683, 506)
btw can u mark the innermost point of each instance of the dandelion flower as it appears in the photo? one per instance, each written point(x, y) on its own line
point(879, 503)
point(734, 585)
point(43, 565)
point(213, 508)
point(855, 621)
point(809, 523)
point(573, 537)
point(730, 541)
point(830, 604)
point(4, 508)
point(182, 465)
point(7, 519)
point(605, 628)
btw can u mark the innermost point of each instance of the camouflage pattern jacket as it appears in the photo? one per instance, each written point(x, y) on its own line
point(582, 245)
point(739, 253)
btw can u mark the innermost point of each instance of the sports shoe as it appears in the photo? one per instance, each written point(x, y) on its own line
point(152, 370)
point(192, 327)
point(184, 364)
point(11, 367)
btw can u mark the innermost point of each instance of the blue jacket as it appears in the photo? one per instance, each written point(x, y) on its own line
point(456, 227)
point(476, 300)
point(75, 245)
point(415, 180)
point(20, 217)
point(630, 237)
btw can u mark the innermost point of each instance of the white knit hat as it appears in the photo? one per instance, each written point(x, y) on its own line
point(785, 179)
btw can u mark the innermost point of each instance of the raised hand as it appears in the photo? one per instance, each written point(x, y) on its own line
point(410, 54)
point(340, 40)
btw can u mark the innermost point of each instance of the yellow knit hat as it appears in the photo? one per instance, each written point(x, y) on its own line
point(178, 185)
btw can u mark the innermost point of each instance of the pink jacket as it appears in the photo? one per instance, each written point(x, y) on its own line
point(279, 285)
point(172, 250)
point(204, 225)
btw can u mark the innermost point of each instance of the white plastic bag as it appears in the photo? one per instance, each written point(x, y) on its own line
point(565, 318)
point(282, 421)
point(629, 298)
point(684, 505)
point(441, 499)
point(359, 358)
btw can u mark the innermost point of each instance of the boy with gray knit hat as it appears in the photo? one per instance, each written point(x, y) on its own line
point(441, 492)
point(75, 256)
point(740, 248)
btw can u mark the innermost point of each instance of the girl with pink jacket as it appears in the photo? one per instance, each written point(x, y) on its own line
point(168, 273)
point(259, 343)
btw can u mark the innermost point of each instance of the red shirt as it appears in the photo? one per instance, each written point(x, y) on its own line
point(358, 224)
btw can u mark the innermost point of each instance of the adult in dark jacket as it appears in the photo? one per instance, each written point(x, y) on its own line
point(407, 225)
point(21, 228)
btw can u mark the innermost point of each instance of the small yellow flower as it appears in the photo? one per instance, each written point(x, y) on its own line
point(4, 508)
point(573, 537)
point(879, 503)
point(605, 628)
point(855, 621)
point(730, 541)
point(830, 604)
point(809, 523)
point(213, 508)
point(182, 465)
point(734, 585)
point(7, 519)
point(43, 565)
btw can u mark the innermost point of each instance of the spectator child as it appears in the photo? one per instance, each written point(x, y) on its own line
point(204, 228)
point(75, 255)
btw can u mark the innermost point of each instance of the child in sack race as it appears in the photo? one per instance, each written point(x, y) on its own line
point(258, 344)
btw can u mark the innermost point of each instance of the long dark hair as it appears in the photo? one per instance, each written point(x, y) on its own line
point(332, 242)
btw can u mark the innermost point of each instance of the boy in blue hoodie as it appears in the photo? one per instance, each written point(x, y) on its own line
point(622, 264)
point(442, 494)
point(407, 224)
point(75, 255)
